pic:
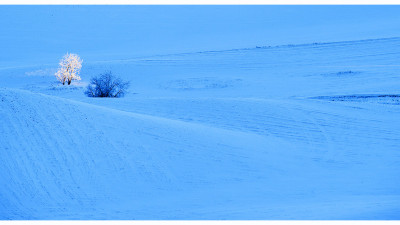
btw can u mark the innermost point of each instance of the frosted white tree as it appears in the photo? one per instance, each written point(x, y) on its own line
point(70, 67)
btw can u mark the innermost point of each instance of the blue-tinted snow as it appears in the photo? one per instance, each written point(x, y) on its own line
point(39, 34)
point(234, 112)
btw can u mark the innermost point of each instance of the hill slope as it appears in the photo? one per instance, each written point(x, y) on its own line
point(63, 159)
point(284, 132)
point(62, 155)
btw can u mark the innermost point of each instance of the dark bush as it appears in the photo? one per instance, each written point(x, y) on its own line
point(106, 85)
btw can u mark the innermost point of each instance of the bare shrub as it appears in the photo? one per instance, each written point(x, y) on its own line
point(106, 85)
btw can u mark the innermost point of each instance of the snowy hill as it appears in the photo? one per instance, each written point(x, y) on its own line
point(80, 156)
point(234, 112)
point(286, 132)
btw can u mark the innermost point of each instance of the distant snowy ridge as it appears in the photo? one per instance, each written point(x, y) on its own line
point(313, 44)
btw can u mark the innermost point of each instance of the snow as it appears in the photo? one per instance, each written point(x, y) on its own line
point(212, 131)
point(42, 34)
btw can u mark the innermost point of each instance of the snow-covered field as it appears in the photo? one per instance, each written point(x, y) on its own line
point(308, 131)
